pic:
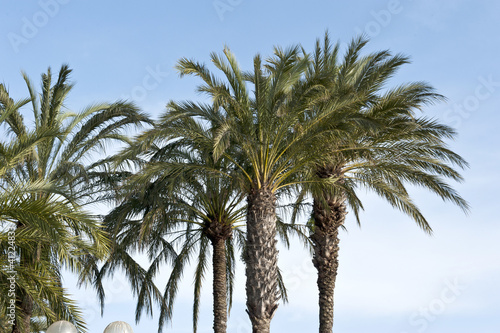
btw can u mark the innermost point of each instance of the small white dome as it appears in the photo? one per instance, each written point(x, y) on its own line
point(62, 326)
point(118, 327)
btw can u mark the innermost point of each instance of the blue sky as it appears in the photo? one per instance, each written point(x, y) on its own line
point(392, 277)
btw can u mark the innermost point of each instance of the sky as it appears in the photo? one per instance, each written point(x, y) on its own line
point(393, 278)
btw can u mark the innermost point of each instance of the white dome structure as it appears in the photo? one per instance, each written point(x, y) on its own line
point(62, 326)
point(118, 327)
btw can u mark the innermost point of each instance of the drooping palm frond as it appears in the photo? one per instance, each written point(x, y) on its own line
point(385, 147)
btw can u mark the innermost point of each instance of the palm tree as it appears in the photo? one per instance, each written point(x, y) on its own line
point(44, 184)
point(264, 137)
point(184, 198)
point(30, 221)
point(392, 148)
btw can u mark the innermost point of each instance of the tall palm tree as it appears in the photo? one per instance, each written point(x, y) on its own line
point(258, 132)
point(393, 148)
point(46, 175)
point(182, 198)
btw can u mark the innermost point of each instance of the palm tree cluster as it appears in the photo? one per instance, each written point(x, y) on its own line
point(209, 178)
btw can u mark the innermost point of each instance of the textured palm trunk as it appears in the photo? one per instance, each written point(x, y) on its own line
point(218, 232)
point(261, 259)
point(329, 215)
point(220, 284)
point(26, 306)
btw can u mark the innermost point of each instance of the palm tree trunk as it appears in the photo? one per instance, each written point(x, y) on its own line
point(26, 306)
point(220, 285)
point(327, 222)
point(261, 258)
